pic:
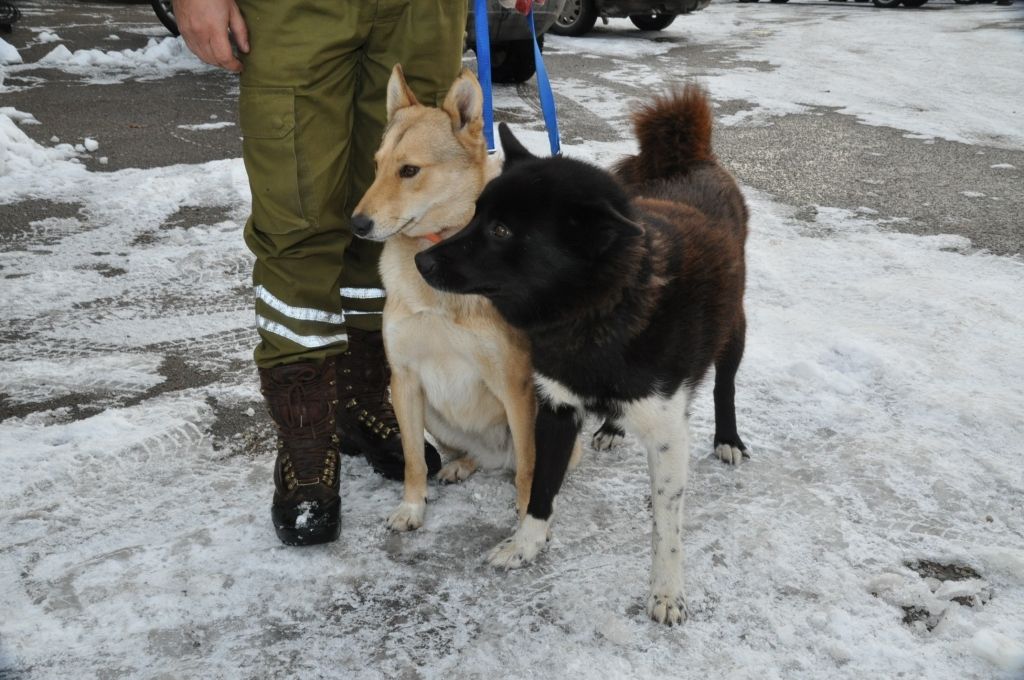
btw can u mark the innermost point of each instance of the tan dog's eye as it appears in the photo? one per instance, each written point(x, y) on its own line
point(407, 171)
point(499, 230)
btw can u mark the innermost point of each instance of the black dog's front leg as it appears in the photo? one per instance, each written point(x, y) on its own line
point(557, 429)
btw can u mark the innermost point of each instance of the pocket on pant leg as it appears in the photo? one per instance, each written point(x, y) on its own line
point(266, 116)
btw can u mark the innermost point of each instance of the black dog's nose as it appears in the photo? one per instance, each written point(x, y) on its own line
point(361, 224)
point(426, 263)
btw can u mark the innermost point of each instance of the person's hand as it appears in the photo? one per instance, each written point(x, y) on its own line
point(206, 25)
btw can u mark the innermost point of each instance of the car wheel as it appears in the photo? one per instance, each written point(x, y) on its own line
point(887, 3)
point(577, 17)
point(512, 62)
point(652, 22)
point(913, 3)
point(165, 13)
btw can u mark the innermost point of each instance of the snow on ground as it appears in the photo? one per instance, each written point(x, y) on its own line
point(207, 126)
point(927, 80)
point(876, 531)
point(29, 381)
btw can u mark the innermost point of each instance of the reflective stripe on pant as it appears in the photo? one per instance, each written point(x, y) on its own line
point(311, 111)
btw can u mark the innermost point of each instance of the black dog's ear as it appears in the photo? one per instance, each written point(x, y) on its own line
point(630, 226)
point(607, 225)
point(514, 150)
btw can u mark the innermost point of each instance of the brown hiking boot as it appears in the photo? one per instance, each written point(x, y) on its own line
point(366, 420)
point(303, 400)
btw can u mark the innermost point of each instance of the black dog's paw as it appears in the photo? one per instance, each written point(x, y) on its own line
point(608, 436)
point(731, 452)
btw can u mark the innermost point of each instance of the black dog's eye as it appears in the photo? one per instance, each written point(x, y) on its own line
point(499, 230)
point(407, 171)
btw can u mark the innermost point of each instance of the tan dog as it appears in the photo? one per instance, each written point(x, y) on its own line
point(458, 369)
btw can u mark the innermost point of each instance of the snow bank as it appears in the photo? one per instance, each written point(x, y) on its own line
point(19, 117)
point(159, 58)
point(8, 54)
point(20, 155)
point(166, 51)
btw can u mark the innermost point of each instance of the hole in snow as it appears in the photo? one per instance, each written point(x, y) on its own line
point(943, 572)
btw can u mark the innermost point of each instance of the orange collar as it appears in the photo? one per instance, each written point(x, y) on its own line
point(433, 238)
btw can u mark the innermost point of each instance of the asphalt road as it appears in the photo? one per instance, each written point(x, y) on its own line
point(818, 158)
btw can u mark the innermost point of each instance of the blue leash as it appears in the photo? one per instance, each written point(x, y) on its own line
point(483, 67)
point(547, 97)
point(483, 60)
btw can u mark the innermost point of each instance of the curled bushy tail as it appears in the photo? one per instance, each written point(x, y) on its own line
point(674, 132)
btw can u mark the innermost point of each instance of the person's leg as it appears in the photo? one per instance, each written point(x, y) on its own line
point(301, 82)
point(296, 116)
point(295, 113)
point(426, 37)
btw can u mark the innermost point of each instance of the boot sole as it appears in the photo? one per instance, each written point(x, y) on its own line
point(323, 528)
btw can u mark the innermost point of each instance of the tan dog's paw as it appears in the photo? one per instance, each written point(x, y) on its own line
point(668, 608)
point(457, 470)
point(406, 517)
point(522, 547)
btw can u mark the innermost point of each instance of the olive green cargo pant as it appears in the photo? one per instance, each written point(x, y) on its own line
point(311, 112)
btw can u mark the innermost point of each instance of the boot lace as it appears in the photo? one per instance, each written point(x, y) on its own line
point(307, 441)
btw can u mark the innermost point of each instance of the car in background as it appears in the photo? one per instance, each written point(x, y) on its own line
point(511, 40)
point(579, 16)
point(878, 3)
point(8, 15)
point(907, 3)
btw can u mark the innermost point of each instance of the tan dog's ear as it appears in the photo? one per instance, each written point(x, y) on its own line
point(465, 101)
point(399, 94)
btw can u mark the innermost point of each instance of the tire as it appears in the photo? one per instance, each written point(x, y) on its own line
point(913, 3)
point(165, 14)
point(887, 3)
point(652, 22)
point(9, 15)
point(577, 18)
point(512, 62)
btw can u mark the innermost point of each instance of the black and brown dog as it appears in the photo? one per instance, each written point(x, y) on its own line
point(630, 287)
